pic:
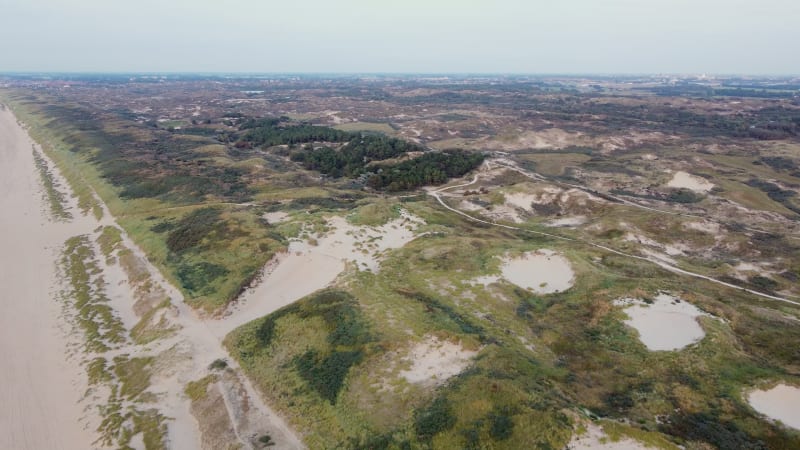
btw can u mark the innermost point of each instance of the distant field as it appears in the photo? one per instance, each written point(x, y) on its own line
point(366, 126)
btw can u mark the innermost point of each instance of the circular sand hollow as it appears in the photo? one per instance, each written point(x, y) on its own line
point(779, 403)
point(542, 271)
point(665, 324)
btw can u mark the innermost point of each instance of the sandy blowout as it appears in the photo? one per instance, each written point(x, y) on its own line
point(433, 361)
point(543, 271)
point(782, 402)
point(306, 268)
point(687, 181)
point(595, 439)
point(666, 324)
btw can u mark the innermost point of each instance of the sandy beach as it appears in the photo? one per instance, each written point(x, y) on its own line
point(40, 383)
point(45, 399)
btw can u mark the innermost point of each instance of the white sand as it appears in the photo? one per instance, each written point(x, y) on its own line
point(485, 280)
point(433, 361)
point(307, 268)
point(503, 213)
point(542, 271)
point(779, 403)
point(520, 200)
point(666, 324)
point(572, 221)
point(687, 181)
point(276, 217)
point(704, 226)
point(40, 382)
point(595, 439)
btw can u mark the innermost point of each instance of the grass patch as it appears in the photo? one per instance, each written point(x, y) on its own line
point(86, 298)
point(197, 390)
point(55, 198)
point(134, 375)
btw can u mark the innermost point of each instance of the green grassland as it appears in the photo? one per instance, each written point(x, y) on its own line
point(331, 361)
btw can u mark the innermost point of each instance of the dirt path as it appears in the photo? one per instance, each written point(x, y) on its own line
point(437, 195)
point(536, 177)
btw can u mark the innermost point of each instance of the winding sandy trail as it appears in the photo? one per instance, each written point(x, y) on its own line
point(437, 194)
point(536, 177)
point(40, 383)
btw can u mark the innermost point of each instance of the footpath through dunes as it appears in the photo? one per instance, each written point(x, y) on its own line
point(41, 382)
point(133, 347)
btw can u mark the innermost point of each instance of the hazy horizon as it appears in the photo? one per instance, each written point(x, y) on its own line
point(507, 37)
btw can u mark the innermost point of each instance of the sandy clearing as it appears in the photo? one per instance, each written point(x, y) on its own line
point(687, 181)
point(470, 206)
point(485, 280)
point(306, 268)
point(276, 217)
point(542, 271)
point(779, 403)
point(572, 221)
point(520, 200)
point(705, 227)
point(667, 324)
point(596, 439)
point(42, 382)
point(502, 212)
point(433, 361)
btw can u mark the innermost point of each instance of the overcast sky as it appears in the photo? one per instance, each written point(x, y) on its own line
point(430, 36)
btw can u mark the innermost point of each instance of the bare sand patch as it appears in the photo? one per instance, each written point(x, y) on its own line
point(572, 221)
point(521, 200)
point(306, 268)
point(705, 227)
point(687, 181)
point(485, 280)
point(467, 205)
point(276, 217)
point(503, 212)
point(666, 324)
point(779, 403)
point(542, 271)
point(433, 361)
point(594, 438)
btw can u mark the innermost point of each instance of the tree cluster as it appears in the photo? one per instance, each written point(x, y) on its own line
point(430, 168)
point(351, 159)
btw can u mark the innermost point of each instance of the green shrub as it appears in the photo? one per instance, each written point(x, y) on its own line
point(435, 418)
point(326, 375)
point(196, 278)
point(193, 228)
